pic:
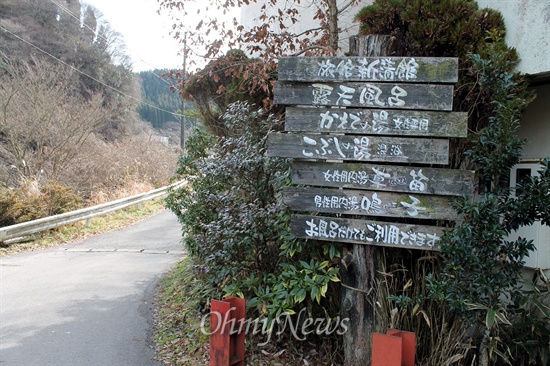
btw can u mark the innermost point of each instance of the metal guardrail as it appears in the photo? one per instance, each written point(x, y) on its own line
point(46, 223)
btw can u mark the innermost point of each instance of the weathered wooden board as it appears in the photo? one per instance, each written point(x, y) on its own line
point(369, 203)
point(377, 122)
point(394, 178)
point(389, 69)
point(359, 148)
point(366, 232)
point(368, 95)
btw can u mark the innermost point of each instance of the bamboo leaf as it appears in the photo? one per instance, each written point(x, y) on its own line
point(490, 318)
point(543, 308)
point(426, 318)
point(455, 358)
point(502, 318)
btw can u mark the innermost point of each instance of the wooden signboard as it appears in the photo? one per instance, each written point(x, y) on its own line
point(384, 112)
point(368, 203)
point(369, 232)
point(360, 120)
point(359, 148)
point(376, 122)
point(395, 178)
point(389, 69)
point(435, 97)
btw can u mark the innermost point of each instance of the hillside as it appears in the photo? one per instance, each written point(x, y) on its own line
point(68, 111)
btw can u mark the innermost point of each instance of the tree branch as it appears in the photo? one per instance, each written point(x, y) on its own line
point(346, 6)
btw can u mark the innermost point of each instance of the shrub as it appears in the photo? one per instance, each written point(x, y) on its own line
point(7, 201)
point(446, 28)
point(236, 227)
point(226, 80)
point(479, 280)
point(105, 171)
point(32, 201)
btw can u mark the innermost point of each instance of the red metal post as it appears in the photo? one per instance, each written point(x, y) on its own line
point(386, 350)
point(238, 330)
point(227, 332)
point(219, 333)
point(409, 345)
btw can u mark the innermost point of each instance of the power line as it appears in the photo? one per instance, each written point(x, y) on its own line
point(87, 75)
point(68, 11)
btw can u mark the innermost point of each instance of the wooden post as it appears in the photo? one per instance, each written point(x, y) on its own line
point(357, 271)
point(374, 45)
point(360, 263)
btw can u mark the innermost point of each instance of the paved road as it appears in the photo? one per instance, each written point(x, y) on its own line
point(88, 303)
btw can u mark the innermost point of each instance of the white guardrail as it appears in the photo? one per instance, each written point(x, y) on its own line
point(46, 223)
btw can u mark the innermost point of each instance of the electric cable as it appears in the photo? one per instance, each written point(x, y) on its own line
point(87, 75)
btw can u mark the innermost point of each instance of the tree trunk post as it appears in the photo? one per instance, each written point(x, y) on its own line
point(361, 263)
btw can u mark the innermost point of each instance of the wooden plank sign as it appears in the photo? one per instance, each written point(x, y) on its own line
point(366, 232)
point(377, 122)
point(389, 69)
point(368, 203)
point(359, 148)
point(367, 95)
point(394, 178)
point(359, 121)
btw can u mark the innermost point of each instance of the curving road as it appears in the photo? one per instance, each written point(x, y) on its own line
point(87, 303)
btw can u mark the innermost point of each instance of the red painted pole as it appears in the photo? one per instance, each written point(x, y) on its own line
point(395, 348)
point(219, 333)
point(386, 350)
point(409, 345)
point(227, 332)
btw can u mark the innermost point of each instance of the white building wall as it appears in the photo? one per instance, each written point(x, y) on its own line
point(535, 125)
point(528, 31)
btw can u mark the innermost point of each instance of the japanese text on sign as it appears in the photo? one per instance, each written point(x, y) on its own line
point(384, 69)
point(371, 233)
point(369, 96)
point(360, 149)
point(378, 178)
point(375, 122)
point(367, 204)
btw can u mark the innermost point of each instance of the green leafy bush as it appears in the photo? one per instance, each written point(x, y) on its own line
point(432, 28)
point(479, 279)
point(483, 269)
point(236, 227)
point(443, 28)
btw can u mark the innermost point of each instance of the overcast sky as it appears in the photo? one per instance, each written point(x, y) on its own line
point(146, 33)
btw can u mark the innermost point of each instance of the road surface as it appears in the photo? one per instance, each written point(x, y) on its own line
point(87, 303)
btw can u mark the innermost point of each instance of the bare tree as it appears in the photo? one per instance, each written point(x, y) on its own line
point(43, 121)
point(277, 27)
point(266, 30)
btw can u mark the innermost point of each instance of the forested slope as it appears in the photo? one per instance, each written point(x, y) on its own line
point(68, 110)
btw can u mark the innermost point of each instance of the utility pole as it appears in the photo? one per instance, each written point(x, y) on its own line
point(182, 132)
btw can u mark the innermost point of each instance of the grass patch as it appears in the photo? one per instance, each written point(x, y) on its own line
point(79, 230)
point(180, 309)
point(178, 315)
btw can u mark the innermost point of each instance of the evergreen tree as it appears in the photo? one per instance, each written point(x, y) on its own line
point(156, 91)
